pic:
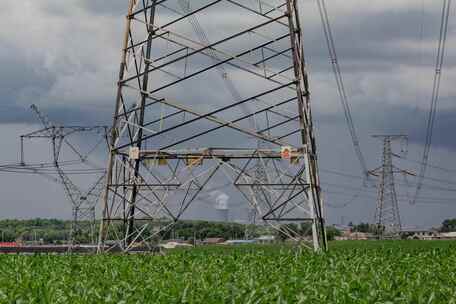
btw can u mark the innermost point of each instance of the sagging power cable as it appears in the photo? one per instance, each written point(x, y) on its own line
point(340, 85)
point(435, 95)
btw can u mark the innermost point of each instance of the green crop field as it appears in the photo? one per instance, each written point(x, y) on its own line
point(353, 272)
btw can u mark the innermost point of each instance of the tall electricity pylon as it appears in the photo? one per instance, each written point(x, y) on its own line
point(179, 127)
point(387, 215)
point(83, 201)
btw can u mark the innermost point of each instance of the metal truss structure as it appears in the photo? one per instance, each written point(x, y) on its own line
point(387, 215)
point(83, 202)
point(195, 107)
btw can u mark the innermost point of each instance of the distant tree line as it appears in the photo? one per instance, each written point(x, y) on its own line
point(47, 230)
point(448, 225)
point(58, 231)
point(201, 230)
point(366, 228)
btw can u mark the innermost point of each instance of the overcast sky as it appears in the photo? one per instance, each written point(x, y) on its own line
point(64, 57)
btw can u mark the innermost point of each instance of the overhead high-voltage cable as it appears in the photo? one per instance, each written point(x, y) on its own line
point(340, 85)
point(349, 202)
point(435, 95)
point(430, 165)
point(47, 168)
point(427, 201)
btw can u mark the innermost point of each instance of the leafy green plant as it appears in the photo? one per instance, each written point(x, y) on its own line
point(352, 272)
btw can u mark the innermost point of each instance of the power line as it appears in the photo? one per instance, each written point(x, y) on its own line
point(435, 94)
point(429, 165)
point(350, 201)
point(48, 168)
point(354, 197)
point(425, 185)
point(37, 171)
point(340, 84)
point(367, 195)
point(343, 174)
point(440, 180)
point(41, 165)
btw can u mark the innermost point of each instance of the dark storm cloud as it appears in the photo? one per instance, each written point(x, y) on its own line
point(20, 77)
point(71, 75)
point(379, 41)
point(11, 114)
point(398, 119)
point(413, 121)
point(369, 44)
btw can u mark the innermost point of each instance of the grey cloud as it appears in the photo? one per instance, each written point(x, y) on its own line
point(20, 78)
point(60, 115)
point(392, 119)
point(412, 121)
point(376, 42)
point(99, 7)
point(370, 46)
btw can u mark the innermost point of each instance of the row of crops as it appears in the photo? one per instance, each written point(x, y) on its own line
point(354, 272)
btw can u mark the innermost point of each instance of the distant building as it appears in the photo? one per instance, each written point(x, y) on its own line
point(265, 239)
point(180, 241)
point(213, 241)
point(348, 235)
point(172, 245)
point(447, 236)
point(9, 244)
point(419, 234)
point(239, 242)
point(428, 235)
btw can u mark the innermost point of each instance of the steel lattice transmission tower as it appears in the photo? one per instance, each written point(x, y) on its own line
point(387, 215)
point(179, 127)
point(83, 200)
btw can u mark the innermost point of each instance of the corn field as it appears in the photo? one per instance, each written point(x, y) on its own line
point(352, 272)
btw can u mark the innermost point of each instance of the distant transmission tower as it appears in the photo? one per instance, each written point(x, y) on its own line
point(83, 202)
point(387, 215)
point(179, 127)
